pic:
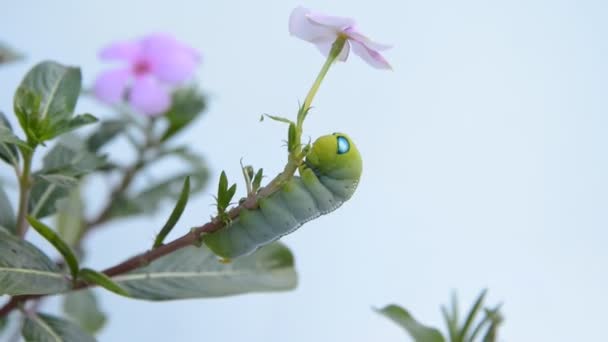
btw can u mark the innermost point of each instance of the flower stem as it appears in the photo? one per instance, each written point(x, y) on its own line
point(24, 193)
point(336, 48)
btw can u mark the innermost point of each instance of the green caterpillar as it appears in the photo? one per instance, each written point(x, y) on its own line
point(328, 177)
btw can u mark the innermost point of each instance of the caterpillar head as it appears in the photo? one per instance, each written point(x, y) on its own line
point(335, 155)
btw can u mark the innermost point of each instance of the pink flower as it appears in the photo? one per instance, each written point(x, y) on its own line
point(323, 30)
point(154, 64)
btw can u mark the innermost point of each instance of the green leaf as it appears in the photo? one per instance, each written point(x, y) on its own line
point(8, 150)
point(83, 309)
point(222, 188)
point(291, 137)
point(149, 199)
point(175, 215)
point(70, 217)
point(257, 180)
point(419, 332)
point(471, 316)
point(7, 215)
point(200, 275)
point(69, 125)
point(187, 105)
point(47, 328)
point(8, 55)
point(62, 247)
point(63, 165)
point(279, 119)
point(107, 131)
point(24, 269)
point(98, 278)
point(45, 100)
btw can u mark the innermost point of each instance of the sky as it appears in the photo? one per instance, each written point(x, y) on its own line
point(484, 152)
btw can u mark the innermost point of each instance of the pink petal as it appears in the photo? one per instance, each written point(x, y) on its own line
point(149, 96)
point(170, 60)
point(353, 34)
point(110, 86)
point(125, 50)
point(325, 48)
point(372, 57)
point(337, 23)
point(303, 28)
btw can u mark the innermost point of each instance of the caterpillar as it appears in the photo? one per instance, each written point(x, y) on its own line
point(327, 178)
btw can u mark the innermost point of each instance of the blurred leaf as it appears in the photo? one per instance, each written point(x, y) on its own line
point(47, 328)
point(175, 215)
point(24, 269)
point(45, 100)
point(82, 308)
point(471, 316)
point(187, 105)
point(278, 118)
point(257, 180)
point(62, 166)
point(98, 278)
point(8, 150)
point(419, 332)
point(70, 217)
point(73, 123)
point(8, 55)
point(193, 272)
point(105, 133)
point(7, 215)
point(148, 200)
point(49, 234)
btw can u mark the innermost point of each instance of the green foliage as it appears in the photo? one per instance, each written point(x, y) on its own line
point(257, 180)
point(70, 221)
point(175, 214)
point(98, 278)
point(83, 309)
point(418, 331)
point(467, 332)
point(200, 275)
point(63, 165)
point(7, 215)
point(224, 194)
point(24, 269)
point(8, 55)
point(9, 142)
point(107, 131)
point(187, 105)
point(46, 328)
point(49, 234)
point(45, 101)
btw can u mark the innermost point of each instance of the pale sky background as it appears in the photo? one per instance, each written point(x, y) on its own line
point(485, 161)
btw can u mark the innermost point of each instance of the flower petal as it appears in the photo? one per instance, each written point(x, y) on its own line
point(125, 50)
point(170, 60)
point(372, 57)
point(325, 48)
point(149, 96)
point(110, 86)
point(302, 27)
point(353, 34)
point(337, 23)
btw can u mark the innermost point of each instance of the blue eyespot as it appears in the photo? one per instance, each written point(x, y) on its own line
point(343, 145)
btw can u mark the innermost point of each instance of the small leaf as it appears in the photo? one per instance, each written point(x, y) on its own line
point(105, 132)
point(25, 270)
point(7, 215)
point(66, 126)
point(187, 105)
point(82, 308)
point(257, 180)
point(175, 215)
point(8, 151)
point(58, 243)
point(222, 188)
point(419, 332)
point(471, 316)
point(47, 328)
point(102, 280)
point(279, 119)
point(8, 55)
point(230, 194)
point(200, 275)
point(70, 217)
